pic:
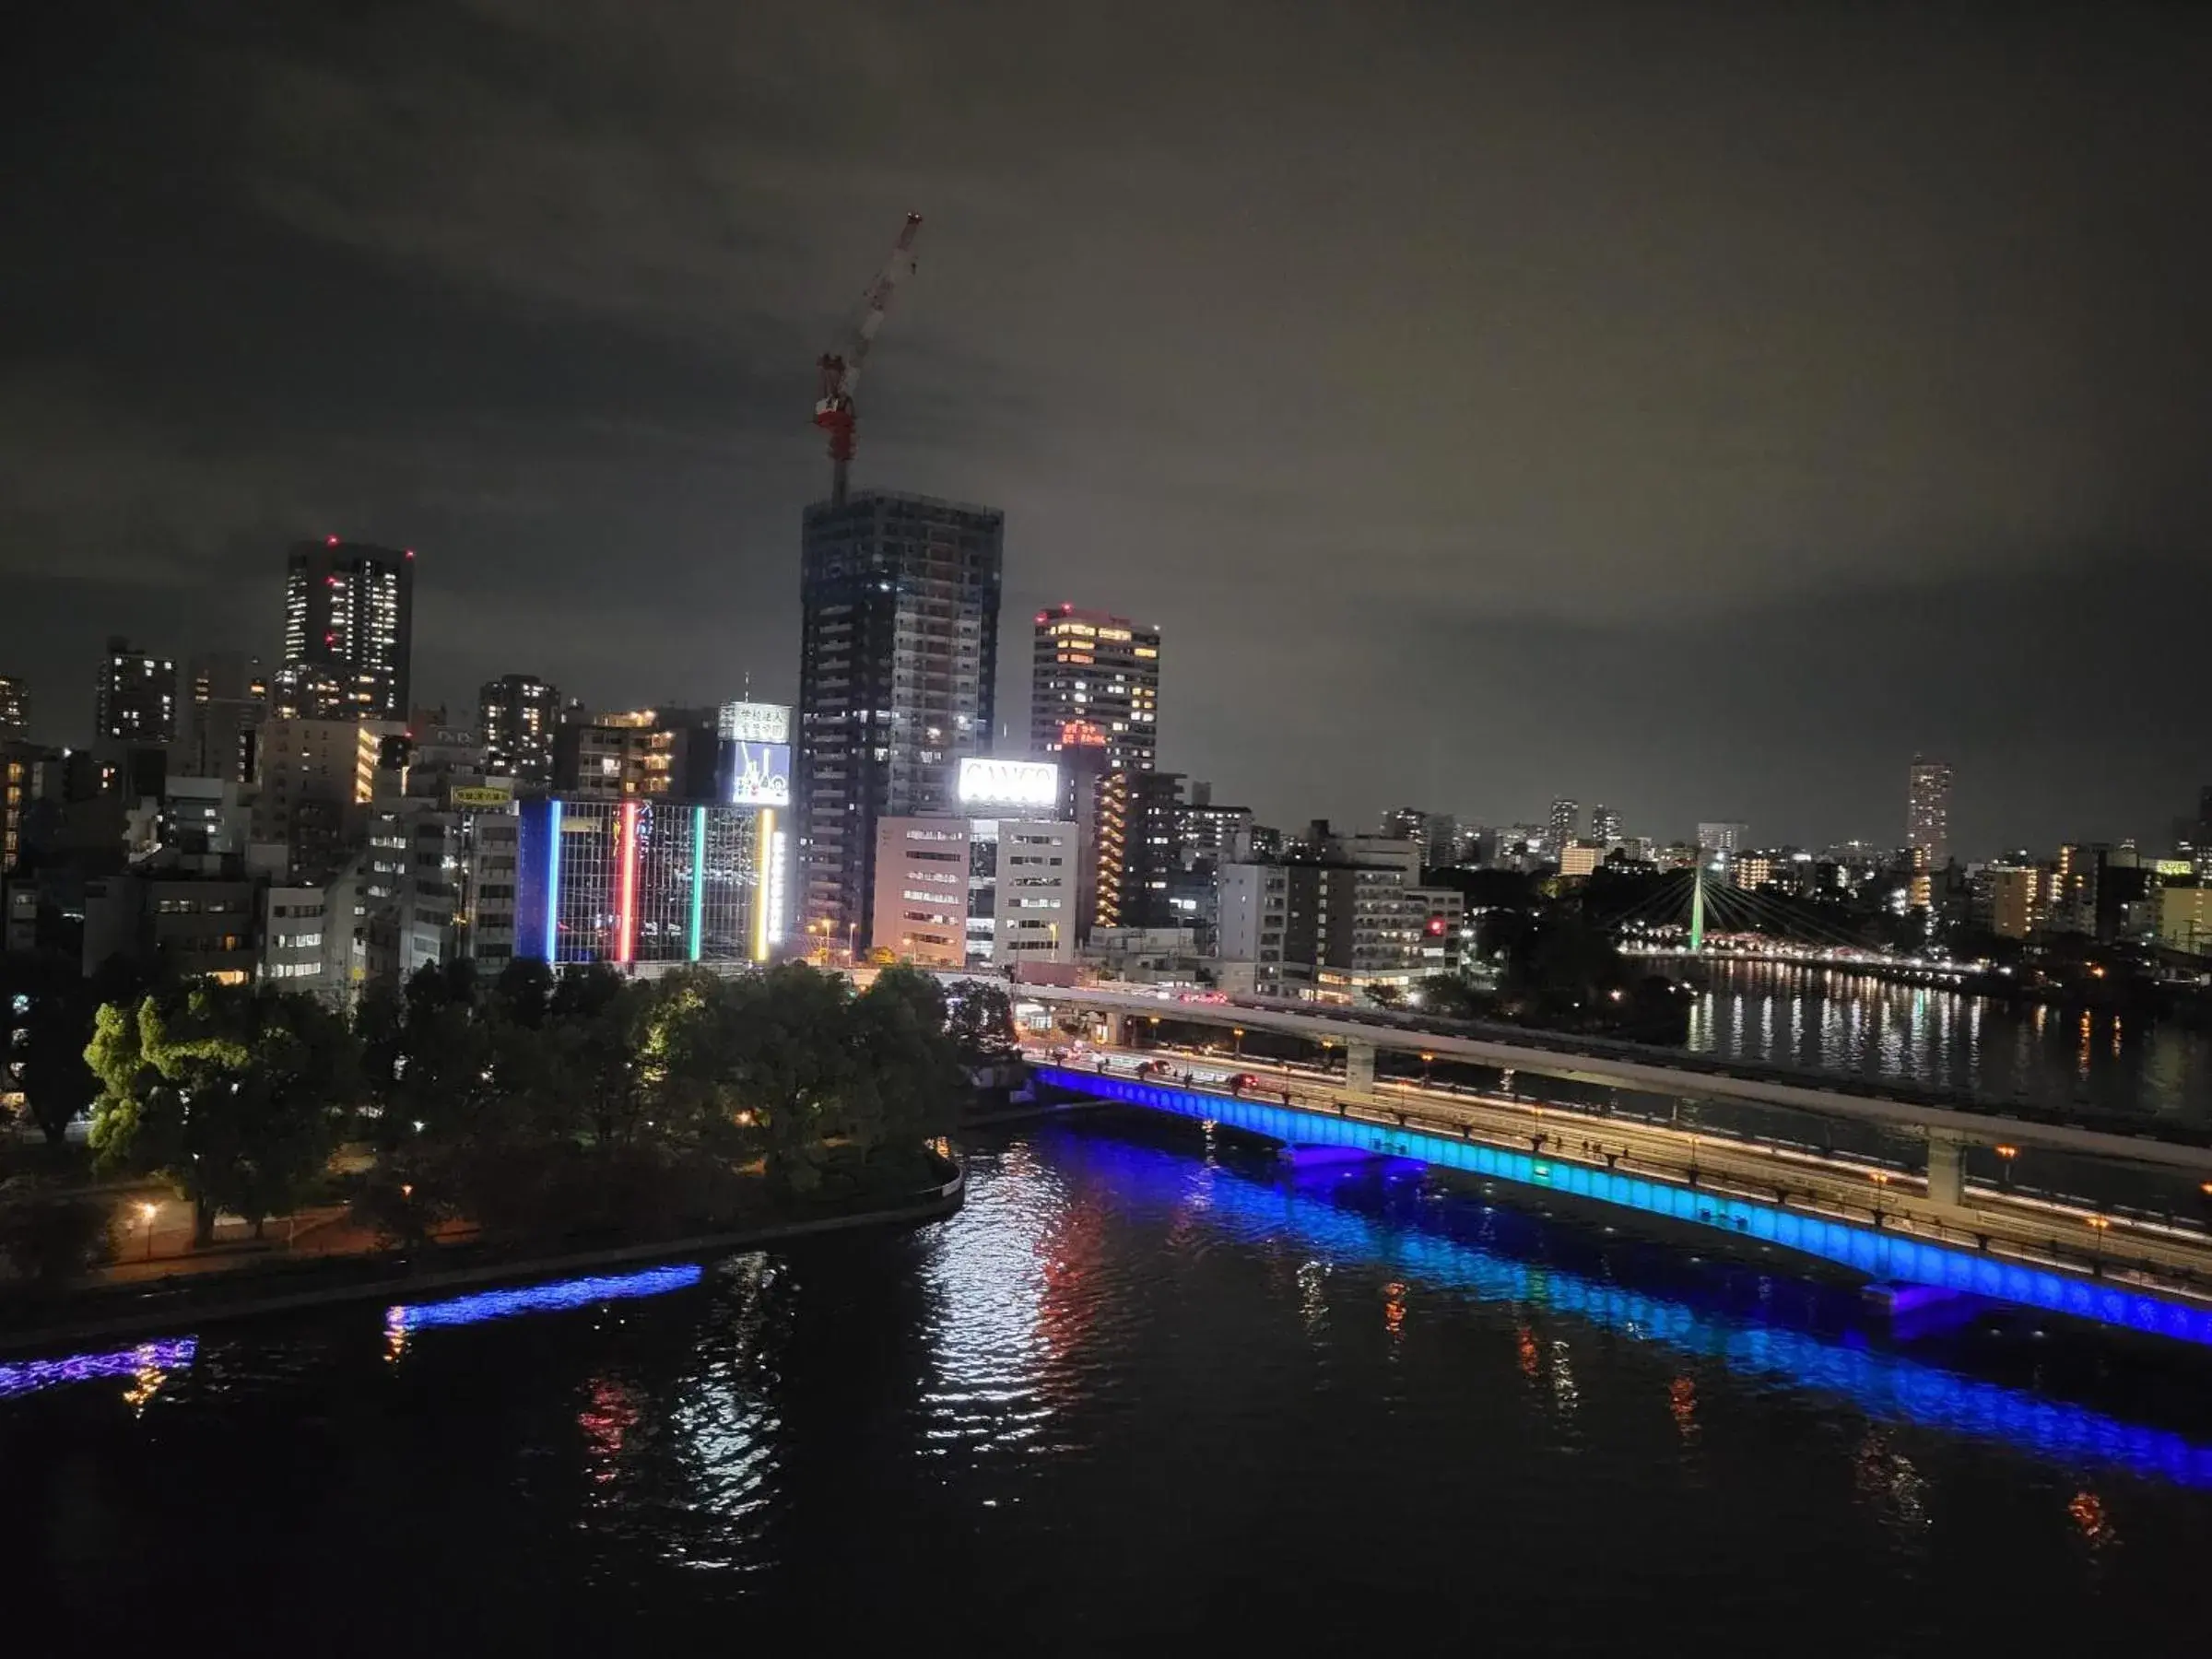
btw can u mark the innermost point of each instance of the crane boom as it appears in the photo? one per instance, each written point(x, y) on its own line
point(840, 370)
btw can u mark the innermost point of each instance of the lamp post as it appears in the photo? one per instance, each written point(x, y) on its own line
point(2005, 1157)
point(146, 1213)
point(1236, 1032)
point(2097, 1229)
point(1428, 1060)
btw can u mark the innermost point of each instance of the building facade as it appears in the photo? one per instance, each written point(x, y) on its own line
point(2016, 896)
point(136, 700)
point(669, 753)
point(898, 679)
point(15, 707)
point(1566, 824)
point(519, 716)
point(1337, 926)
point(987, 893)
point(316, 779)
point(922, 869)
point(348, 631)
point(644, 885)
point(1927, 825)
point(2185, 920)
point(1094, 691)
point(225, 699)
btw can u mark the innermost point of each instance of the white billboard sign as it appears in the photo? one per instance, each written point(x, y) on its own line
point(755, 723)
point(986, 782)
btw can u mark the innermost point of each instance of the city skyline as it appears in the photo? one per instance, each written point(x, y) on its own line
point(1712, 496)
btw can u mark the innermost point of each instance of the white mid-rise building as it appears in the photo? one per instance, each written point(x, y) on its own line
point(985, 893)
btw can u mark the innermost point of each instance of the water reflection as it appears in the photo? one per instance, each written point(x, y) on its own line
point(1884, 1385)
point(145, 1365)
point(1816, 1018)
point(558, 1296)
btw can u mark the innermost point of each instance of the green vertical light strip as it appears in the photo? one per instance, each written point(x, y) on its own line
point(1696, 908)
point(699, 877)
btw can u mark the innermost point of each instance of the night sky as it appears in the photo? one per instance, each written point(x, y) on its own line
point(1697, 409)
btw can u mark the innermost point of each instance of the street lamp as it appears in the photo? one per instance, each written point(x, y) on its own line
point(2005, 1157)
point(1428, 1060)
point(146, 1213)
point(1238, 1032)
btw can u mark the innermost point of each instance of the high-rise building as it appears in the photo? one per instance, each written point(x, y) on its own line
point(1088, 668)
point(225, 698)
point(898, 678)
point(1927, 825)
point(1094, 687)
point(348, 631)
point(518, 714)
point(1605, 825)
point(15, 707)
point(1566, 824)
point(137, 696)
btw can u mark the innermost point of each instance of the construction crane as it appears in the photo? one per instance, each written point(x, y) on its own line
point(840, 368)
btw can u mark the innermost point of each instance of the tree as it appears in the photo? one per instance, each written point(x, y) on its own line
point(227, 1092)
point(793, 1066)
point(910, 1084)
point(58, 1084)
point(1448, 997)
point(47, 1234)
point(980, 1023)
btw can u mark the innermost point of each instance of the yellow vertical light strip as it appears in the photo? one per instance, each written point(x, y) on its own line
point(764, 855)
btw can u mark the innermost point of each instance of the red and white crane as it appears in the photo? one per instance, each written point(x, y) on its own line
point(840, 368)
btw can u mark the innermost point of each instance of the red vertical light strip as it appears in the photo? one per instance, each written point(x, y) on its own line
point(625, 919)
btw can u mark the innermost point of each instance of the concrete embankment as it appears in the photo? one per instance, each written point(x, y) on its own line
point(135, 1310)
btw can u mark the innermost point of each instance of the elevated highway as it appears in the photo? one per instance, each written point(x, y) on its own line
point(1947, 1127)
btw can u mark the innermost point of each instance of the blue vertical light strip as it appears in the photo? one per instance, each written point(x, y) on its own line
point(699, 877)
point(552, 883)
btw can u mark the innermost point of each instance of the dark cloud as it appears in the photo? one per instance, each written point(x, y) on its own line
point(1698, 408)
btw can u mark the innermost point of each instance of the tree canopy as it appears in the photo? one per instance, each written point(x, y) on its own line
point(233, 1094)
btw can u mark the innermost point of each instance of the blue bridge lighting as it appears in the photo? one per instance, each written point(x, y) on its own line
point(1870, 1251)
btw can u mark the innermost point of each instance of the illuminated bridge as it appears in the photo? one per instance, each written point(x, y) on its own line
point(1905, 1239)
point(1948, 1125)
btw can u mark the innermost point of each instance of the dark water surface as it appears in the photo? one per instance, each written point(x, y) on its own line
point(1831, 1021)
point(1142, 1393)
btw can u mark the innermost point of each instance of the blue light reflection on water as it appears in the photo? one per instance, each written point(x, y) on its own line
point(1882, 1385)
point(1878, 1255)
point(556, 1297)
point(27, 1376)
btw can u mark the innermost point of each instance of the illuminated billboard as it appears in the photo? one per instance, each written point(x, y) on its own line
point(754, 723)
point(759, 773)
point(984, 782)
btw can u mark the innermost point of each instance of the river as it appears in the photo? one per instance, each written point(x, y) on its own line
point(1142, 1392)
point(1833, 1022)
